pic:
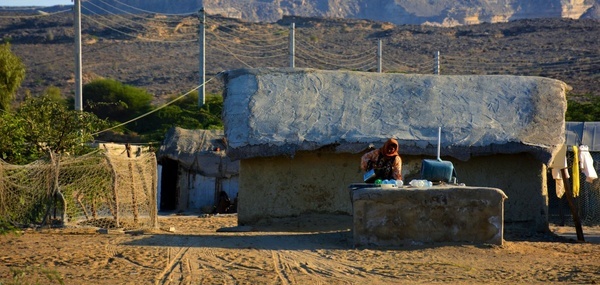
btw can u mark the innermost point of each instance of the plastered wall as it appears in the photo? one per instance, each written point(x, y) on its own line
point(318, 183)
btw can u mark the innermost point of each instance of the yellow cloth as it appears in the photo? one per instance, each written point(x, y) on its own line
point(575, 171)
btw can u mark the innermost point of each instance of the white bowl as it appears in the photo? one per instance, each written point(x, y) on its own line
point(388, 186)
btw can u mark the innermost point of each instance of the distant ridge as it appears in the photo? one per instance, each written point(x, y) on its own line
point(438, 13)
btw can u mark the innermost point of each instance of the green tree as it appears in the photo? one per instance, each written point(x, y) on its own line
point(12, 73)
point(186, 114)
point(45, 124)
point(115, 101)
point(13, 147)
point(583, 108)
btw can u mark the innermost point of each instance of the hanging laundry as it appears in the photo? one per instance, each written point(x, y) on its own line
point(575, 179)
point(587, 164)
point(559, 162)
point(560, 186)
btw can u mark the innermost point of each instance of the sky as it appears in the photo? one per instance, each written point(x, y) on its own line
point(35, 2)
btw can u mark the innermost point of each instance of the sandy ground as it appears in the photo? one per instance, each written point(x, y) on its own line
point(322, 253)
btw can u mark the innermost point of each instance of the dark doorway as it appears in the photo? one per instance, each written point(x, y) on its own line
point(169, 191)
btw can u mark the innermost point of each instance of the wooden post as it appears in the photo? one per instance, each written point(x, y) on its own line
point(115, 193)
point(574, 212)
point(154, 203)
point(133, 194)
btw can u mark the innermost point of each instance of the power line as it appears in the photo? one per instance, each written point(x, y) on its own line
point(157, 109)
point(248, 33)
point(152, 12)
point(339, 57)
point(239, 42)
point(41, 14)
point(135, 36)
point(138, 15)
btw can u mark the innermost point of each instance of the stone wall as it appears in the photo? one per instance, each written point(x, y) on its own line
point(419, 215)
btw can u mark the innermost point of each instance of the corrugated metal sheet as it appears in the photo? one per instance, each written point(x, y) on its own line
point(586, 133)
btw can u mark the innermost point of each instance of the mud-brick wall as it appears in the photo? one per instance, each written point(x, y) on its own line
point(307, 183)
point(313, 182)
point(437, 214)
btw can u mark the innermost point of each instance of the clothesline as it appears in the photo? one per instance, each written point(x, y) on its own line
point(582, 163)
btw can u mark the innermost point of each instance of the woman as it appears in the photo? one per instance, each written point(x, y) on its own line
point(386, 161)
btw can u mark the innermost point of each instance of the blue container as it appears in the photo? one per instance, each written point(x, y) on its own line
point(437, 170)
point(369, 176)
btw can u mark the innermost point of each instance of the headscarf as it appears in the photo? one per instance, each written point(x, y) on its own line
point(387, 146)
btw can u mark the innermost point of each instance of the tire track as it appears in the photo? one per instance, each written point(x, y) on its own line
point(283, 270)
point(170, 271)
point(210, 266)
point(323, 270)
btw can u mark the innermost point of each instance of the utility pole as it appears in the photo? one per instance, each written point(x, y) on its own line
point(436, 69)
point(78, 88)
point(379, 55)
point(202, 42)
point(292, 45)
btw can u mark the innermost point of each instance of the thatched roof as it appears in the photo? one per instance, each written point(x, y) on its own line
point(270, 112)
point(196, 150)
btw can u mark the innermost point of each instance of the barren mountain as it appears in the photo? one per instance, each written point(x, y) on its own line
point(439, 12)
point(161, 53)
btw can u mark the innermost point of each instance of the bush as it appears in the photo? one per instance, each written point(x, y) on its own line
point(583, 108)
point(112, 100)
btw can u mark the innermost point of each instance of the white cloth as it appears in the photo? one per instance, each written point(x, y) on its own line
point(560, 186)
point(586, 164)
point(559, 162)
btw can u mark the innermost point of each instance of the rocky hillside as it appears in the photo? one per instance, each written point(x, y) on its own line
point(160, 53)
point(438, 12)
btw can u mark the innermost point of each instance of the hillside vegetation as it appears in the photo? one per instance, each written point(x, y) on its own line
point(161, 53)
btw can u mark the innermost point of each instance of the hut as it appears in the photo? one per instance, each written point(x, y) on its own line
point(299, 135)
point(195, 169)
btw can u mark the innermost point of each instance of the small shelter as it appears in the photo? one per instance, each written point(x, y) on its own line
point(299, 135)
point(195, 169)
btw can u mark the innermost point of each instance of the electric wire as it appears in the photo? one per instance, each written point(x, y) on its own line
point(135, 36)
point(285, 38)
point(106, 18)
point(139, 15)
point(308, 55)
point(282, 45)
point(220, 41)
point(234, 55)
point(152, 12)
point(131, 21)
point(318, 53)
point(348, 56)
point(307, 37)
point(265, 56)
point(41, 14)
point(252, 33)
point(157, 109)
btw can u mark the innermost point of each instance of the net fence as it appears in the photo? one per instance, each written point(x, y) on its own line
point(588, 200)
point(589, 196)
point(99, 189)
